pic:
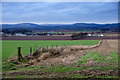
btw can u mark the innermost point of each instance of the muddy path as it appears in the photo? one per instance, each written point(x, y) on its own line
point(106, 47)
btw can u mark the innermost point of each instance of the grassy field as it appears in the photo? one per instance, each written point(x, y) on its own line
point(99, 62)
point(9, 48)
point(69, 71)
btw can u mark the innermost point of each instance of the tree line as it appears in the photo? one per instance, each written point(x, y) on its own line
point(13, 31)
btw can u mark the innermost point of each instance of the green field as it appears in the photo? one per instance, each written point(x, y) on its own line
point(66, 71)
point(9, 48)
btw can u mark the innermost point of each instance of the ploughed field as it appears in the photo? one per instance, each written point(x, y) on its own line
point(9, 48)
point(57, 37)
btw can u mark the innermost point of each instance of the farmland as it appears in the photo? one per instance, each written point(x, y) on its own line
point(71, 62)
point(59, 39)
point(64, 37)
point(9, 48)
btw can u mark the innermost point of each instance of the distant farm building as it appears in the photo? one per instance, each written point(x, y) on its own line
point(95, 35)
point(1, 33)
point(19, 34)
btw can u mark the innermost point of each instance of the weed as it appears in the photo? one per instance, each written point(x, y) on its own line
point(6, 66)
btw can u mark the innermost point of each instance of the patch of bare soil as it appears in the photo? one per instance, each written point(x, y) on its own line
point(25, 73)
point(96, 72)
point(40, 74)
point(106, 47)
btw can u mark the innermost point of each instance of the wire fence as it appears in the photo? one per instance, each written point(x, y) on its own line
point(10, 49)
point(30, 50)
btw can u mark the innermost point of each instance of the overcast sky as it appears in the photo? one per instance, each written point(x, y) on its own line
point(59, 12)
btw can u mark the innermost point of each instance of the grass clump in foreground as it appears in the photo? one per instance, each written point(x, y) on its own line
point(56, 69)
point(109, 59)
point(30, 68)
point(9, 66)
point(94, 56)
point(6, 66)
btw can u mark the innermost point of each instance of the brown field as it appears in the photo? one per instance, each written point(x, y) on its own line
point(110, 34)
point(55, 38)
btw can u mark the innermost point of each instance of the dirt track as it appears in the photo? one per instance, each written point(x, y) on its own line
point(107, 46)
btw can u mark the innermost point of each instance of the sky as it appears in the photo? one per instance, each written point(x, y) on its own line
point(60, 0)
point(59, 12)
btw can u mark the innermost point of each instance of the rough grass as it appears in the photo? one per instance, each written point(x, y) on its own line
point(94, 56)
point(68, 76)
point(108, 59)
point(9, 48)
point(8, 66)
point(57, 69)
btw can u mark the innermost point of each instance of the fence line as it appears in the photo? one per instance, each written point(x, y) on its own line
point(34, 48)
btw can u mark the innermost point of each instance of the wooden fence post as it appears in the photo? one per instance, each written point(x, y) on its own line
point(56, 45)
point(30, 51)
point(40, 48)
point(47, 47)
point(19, 54)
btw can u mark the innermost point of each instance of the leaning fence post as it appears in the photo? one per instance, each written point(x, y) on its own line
point(47, 47)
point(52, 46)
point(40, 48)
point(30, 51)
point(19, 54)
point(56, 45)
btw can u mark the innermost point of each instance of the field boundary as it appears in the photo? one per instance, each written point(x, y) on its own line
point(49, 52)
point(83, 47)
point(79, 46)
point(97, 45)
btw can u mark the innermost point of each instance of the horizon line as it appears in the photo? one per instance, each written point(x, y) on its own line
point(62, 23)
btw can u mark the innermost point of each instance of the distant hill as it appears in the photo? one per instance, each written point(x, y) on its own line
point(76, 26)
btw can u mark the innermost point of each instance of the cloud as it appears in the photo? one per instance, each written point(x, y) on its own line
point(59, 12)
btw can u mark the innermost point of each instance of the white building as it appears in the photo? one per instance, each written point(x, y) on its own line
point(95, 35)
point(1, 33)
point(20, 34)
